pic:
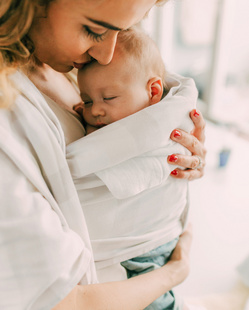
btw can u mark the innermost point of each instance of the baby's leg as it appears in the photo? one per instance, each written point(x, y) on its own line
point(151, 261)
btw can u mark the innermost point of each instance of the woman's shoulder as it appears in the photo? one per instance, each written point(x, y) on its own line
point(28, 114)
point(24, 86)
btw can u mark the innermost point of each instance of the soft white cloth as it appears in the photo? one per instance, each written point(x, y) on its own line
point(130, 204)
point(45, 249)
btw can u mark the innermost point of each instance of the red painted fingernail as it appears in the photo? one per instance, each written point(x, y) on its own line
point(174, 172)
point(196, 114)
point(177, 134)
point(173, 158)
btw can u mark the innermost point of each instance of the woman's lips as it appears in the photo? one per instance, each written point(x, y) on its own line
point(77, 65)
point(80, 65)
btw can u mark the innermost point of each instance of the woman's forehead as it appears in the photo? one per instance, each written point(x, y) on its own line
point(119, 13)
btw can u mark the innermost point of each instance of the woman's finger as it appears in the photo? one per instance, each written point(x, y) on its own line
point(186, 161)
point(189, 141)
point(194, 165)
point(187, 236)
point(199, 129)
point(188, 174)
point(180, 255)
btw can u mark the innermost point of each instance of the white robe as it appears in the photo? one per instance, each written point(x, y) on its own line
point(45, 249)
point(130, 203)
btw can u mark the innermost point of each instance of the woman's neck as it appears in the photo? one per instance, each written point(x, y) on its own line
point(38, 71)
point(53, 84)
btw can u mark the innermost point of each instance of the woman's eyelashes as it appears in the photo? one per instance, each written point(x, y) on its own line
point(97, 37)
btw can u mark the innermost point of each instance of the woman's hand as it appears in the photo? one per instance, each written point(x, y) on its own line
point(194, 142)
point(179, 261)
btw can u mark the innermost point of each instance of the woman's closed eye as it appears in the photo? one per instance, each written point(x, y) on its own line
point(94, 35)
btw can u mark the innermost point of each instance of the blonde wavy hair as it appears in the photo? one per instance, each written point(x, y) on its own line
point(16, 17)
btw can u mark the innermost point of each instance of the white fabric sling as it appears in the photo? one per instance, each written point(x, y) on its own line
point(130, 203)
point(45, 248)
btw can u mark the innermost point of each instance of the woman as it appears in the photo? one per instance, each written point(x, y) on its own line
point(45, 250)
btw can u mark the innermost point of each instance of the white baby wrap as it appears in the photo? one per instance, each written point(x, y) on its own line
point(45, 248)
point(131, 205)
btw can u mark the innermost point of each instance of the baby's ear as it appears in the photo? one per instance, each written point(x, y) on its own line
point(155, 89)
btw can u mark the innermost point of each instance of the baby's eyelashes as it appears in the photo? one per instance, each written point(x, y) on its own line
point(109, 98)
point(87, 102)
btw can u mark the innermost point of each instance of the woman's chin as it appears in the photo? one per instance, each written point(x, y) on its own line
point(62, 68)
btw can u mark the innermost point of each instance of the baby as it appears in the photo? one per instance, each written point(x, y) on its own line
point(134, 80)
point(134, 210)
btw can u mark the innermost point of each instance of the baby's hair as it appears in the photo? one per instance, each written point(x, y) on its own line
point(137, 44)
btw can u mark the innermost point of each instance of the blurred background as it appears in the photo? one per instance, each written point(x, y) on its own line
point(208, 40)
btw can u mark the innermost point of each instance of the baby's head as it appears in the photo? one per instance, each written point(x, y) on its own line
point(133, 80)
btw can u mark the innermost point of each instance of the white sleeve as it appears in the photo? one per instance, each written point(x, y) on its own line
point(40, 258)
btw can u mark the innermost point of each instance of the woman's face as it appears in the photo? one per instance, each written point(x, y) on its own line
point(70, 32)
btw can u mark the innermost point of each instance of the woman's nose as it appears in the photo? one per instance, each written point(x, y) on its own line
point(103, 51)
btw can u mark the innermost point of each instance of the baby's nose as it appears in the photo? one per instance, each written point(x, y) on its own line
point(98, 109)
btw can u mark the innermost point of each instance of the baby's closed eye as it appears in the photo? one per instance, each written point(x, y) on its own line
point(109, 98)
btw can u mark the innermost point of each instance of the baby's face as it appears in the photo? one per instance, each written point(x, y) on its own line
point(111, 92)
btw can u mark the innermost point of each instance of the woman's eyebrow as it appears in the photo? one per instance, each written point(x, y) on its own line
point(104, 24)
